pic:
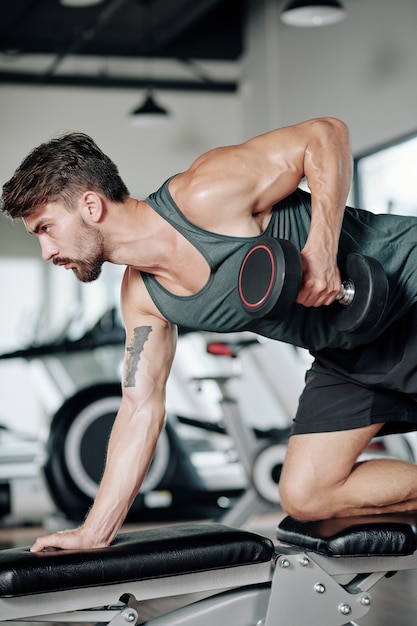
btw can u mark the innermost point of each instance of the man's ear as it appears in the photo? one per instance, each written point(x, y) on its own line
point(92, 206)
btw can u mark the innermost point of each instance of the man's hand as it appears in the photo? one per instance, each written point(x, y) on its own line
point(76, 539)
point(321, 281)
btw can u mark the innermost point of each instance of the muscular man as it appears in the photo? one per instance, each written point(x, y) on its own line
point(183, 247)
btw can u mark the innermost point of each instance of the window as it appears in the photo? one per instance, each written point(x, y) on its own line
point(385, 178)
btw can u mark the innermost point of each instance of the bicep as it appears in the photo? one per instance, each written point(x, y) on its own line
point(149, 347)
point(149, 351)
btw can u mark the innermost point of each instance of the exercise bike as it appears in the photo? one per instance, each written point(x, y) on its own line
point(315, 574)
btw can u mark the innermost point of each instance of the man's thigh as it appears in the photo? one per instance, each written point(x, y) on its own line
point(324, 459)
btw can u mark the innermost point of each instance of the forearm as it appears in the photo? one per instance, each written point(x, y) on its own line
point(328, 170)
point(130, 451)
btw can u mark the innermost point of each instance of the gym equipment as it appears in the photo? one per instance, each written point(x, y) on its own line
point(24, 496)
point(261, 453)
point(317, 574)
point(270, 278)
point(106, 332)
point(362, 300)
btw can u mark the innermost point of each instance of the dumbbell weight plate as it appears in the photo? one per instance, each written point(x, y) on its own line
point(371, 293)
point(270, 278)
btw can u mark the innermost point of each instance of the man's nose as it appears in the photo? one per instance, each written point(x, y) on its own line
point(49, 250)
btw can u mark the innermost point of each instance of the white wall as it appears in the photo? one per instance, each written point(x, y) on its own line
point(362, 70)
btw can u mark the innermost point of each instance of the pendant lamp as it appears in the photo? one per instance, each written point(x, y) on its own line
point(149, 112)
point(79, 3)
point(310, 13)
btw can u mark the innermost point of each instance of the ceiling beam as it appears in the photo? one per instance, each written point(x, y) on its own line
point(107, 82)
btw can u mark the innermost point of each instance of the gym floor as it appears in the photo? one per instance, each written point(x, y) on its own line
point(394, 599)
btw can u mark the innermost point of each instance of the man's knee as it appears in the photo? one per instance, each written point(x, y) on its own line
point(304, 500)
point(307, 499)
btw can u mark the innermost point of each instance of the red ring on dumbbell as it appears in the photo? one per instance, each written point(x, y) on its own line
point(243, 267)
point(269, 278)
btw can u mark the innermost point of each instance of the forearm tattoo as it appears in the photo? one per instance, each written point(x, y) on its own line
point(140, 336)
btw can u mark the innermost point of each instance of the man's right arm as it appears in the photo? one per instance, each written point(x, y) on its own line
point(232, 191)
point(150, 347)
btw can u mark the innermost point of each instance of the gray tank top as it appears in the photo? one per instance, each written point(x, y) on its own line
point(216, 307)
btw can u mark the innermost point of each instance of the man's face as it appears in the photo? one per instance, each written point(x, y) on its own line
point(88, 257)
point(67, 240)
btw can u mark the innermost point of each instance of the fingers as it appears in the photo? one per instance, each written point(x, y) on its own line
point(317, 293)
point(58, 540)
point(321, 282)
point(64, 540)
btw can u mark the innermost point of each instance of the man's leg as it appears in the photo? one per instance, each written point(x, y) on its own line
point(321, 477)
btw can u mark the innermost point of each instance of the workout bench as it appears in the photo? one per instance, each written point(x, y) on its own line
point(208, 573)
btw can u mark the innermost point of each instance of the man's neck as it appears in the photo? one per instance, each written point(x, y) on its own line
point(137, 236)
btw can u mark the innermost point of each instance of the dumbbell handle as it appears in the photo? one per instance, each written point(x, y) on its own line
point(347, 293)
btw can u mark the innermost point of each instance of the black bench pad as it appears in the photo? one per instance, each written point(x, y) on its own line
point(139, 555)
point(370, 535)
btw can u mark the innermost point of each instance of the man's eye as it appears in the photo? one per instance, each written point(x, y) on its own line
point(46, 229)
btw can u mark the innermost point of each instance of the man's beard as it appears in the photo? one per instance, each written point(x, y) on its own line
point(88, 271)
point(91, 243)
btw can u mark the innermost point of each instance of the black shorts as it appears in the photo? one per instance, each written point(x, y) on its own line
point(372, 384)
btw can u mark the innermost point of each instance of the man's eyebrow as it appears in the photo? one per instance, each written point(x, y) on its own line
point(35, 229)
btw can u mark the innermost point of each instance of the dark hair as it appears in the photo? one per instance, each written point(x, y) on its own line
point(61, 170)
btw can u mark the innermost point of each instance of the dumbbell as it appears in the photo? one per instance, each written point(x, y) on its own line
point(270, 278)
